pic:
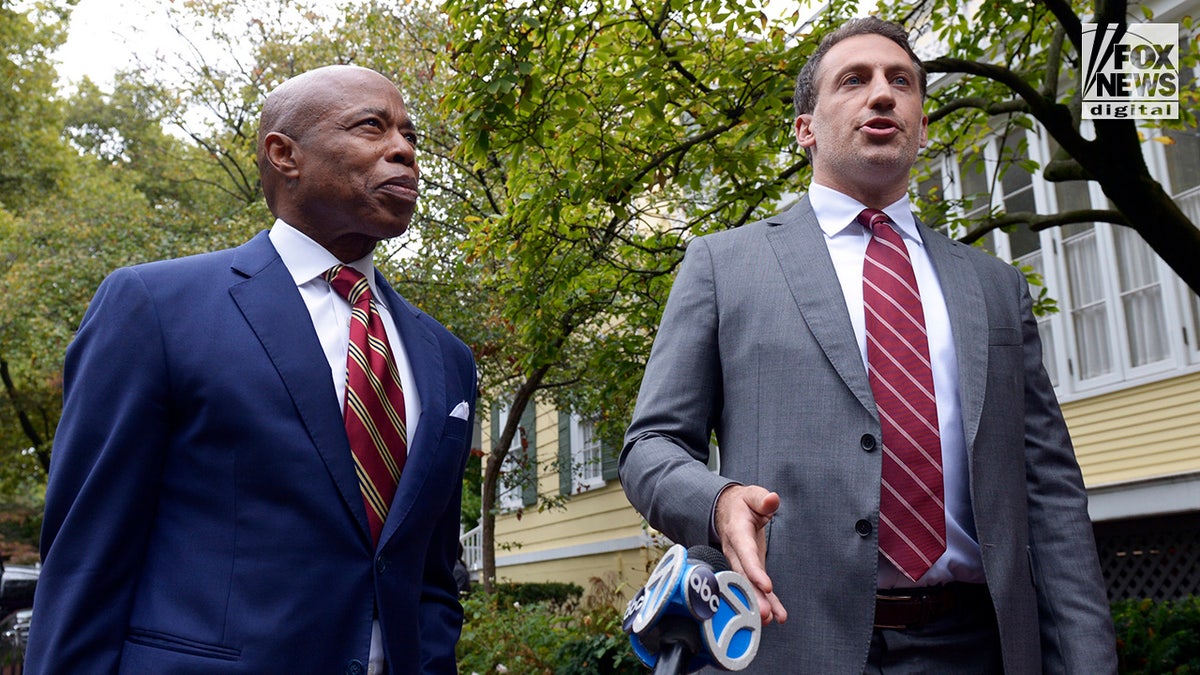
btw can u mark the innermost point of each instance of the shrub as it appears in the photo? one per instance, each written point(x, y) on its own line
point(556, 635)
point(564, 597)
point(1158, 637)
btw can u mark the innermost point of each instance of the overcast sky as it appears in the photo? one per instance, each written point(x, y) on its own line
point(105, 36)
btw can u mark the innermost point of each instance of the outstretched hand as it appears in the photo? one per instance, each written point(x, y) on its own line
point(741, 518)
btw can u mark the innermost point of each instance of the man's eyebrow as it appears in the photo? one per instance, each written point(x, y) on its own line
point(386, 113)
point(860, 66)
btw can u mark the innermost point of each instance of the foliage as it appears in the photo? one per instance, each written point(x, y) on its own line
point(54, 257)
point(123, 132)
point(20, 530)
point(610, 133)
point(1158, 637)
point(544, 637)
point(560, 596)
point(32, 156)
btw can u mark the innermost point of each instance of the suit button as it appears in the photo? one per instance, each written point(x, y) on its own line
point(355, 667)
point(867, 442)
point(863, 527)
point(380, 564)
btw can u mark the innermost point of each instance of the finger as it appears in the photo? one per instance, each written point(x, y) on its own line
point(775, 611)
point(745, 557)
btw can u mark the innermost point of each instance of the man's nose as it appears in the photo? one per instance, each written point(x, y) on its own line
point(880, 94)
point(402, 151)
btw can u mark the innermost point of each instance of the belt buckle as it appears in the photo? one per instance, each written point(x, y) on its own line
point(920, 601)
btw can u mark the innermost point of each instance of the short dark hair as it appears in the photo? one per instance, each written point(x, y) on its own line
point(804, 98)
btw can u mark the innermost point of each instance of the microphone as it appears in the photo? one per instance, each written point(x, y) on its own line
point(694, 612)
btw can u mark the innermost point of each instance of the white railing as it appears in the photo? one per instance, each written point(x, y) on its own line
point(472, 542)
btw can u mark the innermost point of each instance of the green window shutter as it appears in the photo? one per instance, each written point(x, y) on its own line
point(565, 470)
point(495, 425)
point(609, 461)
point(529, 491)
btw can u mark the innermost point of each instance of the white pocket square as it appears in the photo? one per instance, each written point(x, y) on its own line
point(461, 411)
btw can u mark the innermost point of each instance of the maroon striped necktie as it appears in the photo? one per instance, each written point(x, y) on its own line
point(912, 512)
point(374, 410)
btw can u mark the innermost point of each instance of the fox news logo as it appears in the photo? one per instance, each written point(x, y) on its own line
point(1130, 71)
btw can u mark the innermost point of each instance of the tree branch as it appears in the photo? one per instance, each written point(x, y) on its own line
point(1038, 222)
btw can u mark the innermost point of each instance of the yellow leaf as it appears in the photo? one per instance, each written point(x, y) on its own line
point(1165, 140)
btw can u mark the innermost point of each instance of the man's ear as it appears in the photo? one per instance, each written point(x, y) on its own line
point(804, 133)
point(282, 153)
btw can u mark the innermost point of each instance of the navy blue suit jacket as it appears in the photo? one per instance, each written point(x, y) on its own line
point(203, 514)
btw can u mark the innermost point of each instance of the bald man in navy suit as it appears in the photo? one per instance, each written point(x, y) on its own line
point(203, 513)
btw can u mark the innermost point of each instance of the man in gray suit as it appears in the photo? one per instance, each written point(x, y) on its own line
point(773, 337)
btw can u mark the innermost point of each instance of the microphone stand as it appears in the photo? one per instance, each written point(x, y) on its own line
point(678, 641)
point(673, 661)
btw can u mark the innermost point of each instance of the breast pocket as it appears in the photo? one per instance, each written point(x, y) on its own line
point(1004, 336)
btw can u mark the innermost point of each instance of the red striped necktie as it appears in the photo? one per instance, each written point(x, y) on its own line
point(912, 512)
point(374, 410)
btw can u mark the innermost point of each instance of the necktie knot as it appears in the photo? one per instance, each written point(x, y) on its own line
point(872, 218)
point(349, 283)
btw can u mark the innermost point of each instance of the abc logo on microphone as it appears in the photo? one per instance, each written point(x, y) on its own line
point(693, 593)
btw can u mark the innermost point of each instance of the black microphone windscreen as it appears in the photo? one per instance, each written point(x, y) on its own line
point(710, 555)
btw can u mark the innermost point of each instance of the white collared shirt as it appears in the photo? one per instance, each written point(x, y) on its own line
point(847, 240)
point(307, 261)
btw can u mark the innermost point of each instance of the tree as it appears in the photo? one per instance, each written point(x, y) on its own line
point(621, 130)
point(32, 156)
point(1013, 66)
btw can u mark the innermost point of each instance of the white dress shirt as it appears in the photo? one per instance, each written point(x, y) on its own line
point(847, 241)
point(307, 261)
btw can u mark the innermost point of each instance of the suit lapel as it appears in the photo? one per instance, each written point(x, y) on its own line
point(968, 323)
point(425, 359)
point(270, 302)
point(800, 248)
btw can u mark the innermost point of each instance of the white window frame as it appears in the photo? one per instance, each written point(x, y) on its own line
point(587, 460)
point(509, 497)
point(1178, 310)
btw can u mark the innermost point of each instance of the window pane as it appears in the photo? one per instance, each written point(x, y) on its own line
point(974, 186)
point(1195, 336)
point(586, 460)
point(1015, 179)
point(1089, 313)
point(1183, 160)
point(1022, 241)
point(1141, 298)
point(1017, 184)
point(508, 489)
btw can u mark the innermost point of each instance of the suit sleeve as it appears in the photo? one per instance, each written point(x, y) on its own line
point(103, 483)
point(664, 461)
point(1074, 617)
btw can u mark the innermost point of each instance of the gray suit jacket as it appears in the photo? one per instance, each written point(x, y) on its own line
point(756, 344)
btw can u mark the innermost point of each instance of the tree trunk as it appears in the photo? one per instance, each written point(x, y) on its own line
point(35, 439)
point(491, 474)
point(1115, 161)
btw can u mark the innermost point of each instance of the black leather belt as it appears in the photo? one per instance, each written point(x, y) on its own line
point(901, 608)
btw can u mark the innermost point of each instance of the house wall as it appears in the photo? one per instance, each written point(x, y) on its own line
point(597, 535)
point(1146, 431)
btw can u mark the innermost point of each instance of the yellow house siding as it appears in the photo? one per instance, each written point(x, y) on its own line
point(572, 544)
point(623, 571)
point(591, 516)
point(1142, 432)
